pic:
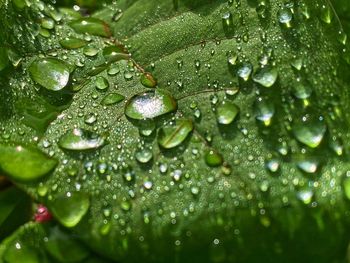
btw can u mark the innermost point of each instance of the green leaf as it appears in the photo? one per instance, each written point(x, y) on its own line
point(15, 209)
point(265, 182)
point(43, 243)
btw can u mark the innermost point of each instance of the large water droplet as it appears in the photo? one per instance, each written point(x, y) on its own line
point(112, 98)
point(309, 130)
point(23, 163)
point(226, 113)
point(305, 195)
point(173, 135)
point(90, 25)
point(150, 105)
point(285, 17)
point(144, 155)
point(266, 76)
point(50, 73)
point(245, 70)
point(264, 110)
point(148, 80)
point(70, 208)
point(80, 139)
point(72, 43)
point(308, 166)
point(114, 53)
point(102, 83)
point(213, 158)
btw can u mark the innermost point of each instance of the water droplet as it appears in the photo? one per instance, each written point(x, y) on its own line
point(70, 208)
point(114, 54)
point(102, 83)
point(195, 190)
point(90, 25)
point(245, 70)
point(144, 155)
point(125, 205)
point(72, 43)
point(226, 113)
point(148, 80)
point(227, 20)
point(326, 14)
point(308, 166)
point(171, 136)
point(80, 139)
point(262, 10)
point(147, 127)
point(150, 105)
point(34, 164)
point(273, 165)
point(337, 146)
point(266, 76)
point(97, 69)
point(297, 63)
point(285, 17)
point(213, 158)
point(90, 118)
point(264, 110)
point(48, 23)
point(309, 130)
point(90, 51)
point(112, 98)
point(113, 70)
point(302, 91)
point(50, 73)
point(305, 195)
